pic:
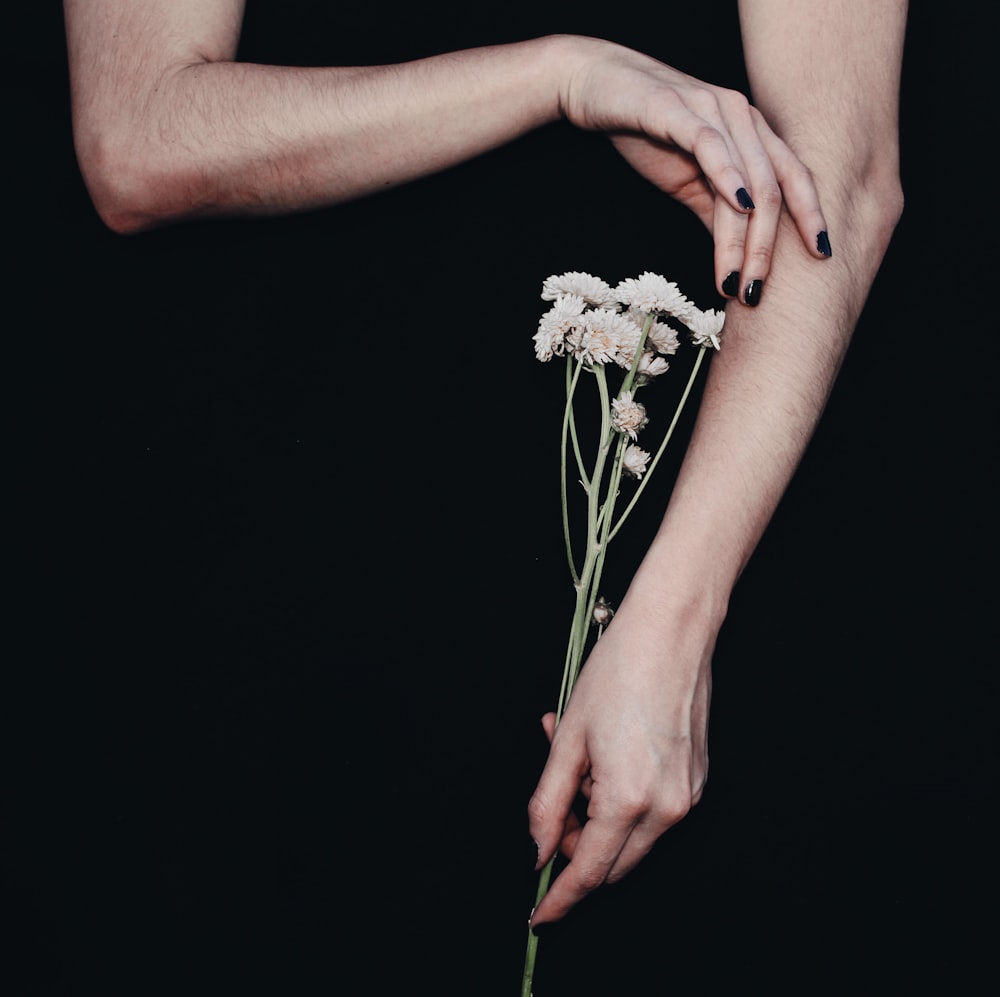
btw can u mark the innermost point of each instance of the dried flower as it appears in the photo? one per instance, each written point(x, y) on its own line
point(556, 325)
point(706, 327)
point(663, 338)
point(649, 292)
point(592, 289)
point(629, 415)
point(602, 338)
point(602, 612)
point(634, 461)
point(650, 366)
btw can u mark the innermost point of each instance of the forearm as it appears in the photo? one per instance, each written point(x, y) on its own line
point(172, 131)
point(768, 385)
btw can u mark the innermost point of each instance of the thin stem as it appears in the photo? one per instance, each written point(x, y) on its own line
point(532, 949)
point(569, 432)
point(571, 386)
point(663, 444)
point(607, 516)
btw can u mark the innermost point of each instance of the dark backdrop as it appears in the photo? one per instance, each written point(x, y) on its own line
point(288, 598)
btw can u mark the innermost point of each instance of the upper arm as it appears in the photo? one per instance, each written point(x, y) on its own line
point(112, 37)
point(826, 75)
point(119, 52)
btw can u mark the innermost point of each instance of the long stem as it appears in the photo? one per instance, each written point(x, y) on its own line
point(532, 948)
point(569, 433)
point(663, 444)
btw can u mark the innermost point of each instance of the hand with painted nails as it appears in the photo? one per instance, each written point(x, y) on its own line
point(708, 148)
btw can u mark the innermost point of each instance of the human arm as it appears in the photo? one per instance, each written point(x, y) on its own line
point(168, 126)
point(634, 735)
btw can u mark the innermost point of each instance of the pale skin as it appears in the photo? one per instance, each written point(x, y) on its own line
point(168, 127)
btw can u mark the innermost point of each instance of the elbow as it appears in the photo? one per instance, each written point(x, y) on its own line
point(867, 201)
point(887, 207)
point(127, 181)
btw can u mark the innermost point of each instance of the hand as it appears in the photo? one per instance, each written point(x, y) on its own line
point(633, 742)
point(701, 144)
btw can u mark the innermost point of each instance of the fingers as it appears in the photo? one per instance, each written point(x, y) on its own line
point(778, 179)
point(753, 174)
point(798, 189)
point(550, 807)
point(597, 848)
point(619, 831)
point(604, 850)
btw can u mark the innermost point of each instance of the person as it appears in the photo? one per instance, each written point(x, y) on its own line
point(800, 190)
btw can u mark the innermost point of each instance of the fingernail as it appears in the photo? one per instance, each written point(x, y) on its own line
point(823, 244)
point(731, 285)
point(744, 198)
point(752, 293)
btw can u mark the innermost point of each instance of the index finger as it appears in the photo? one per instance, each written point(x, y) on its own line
point(597, 849)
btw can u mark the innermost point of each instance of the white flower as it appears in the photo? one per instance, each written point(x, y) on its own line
point(629, 415)
point(705, 327)
point(629, 334)
point(634, 461)
point(604, 336)
point(650, 366)
point(556, 325)
point(592, 289)
point(662, 338)
point(649, 292)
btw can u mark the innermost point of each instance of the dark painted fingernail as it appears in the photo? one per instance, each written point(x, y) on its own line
point(752, 293)
point(746, 201)
point(823, 244)
point(731, 285)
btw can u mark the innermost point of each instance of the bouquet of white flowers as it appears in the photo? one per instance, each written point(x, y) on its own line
point(632, 328)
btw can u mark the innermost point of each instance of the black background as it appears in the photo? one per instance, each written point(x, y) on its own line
point(288, 596)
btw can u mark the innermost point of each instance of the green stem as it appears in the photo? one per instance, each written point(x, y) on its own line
point(532, 948)
point(663, 444)
point(569, 433)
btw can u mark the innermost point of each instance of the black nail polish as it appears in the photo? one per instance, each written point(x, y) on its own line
point(532, 853)
point(752, 293)
point(744, 198)
point(823, 244)
point(731, 285)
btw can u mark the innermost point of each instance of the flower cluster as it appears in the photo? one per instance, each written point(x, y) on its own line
point(629, 326)
point(599, 324)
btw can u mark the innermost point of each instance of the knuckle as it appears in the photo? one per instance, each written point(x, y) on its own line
point(733, 101)
point(674, 807)
point(590, 877)
point(731, 246)
point(705, 139)
point(767, 195)
point(704, 101)
point(631, 806)
point(759, 259)
point(538, 809)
